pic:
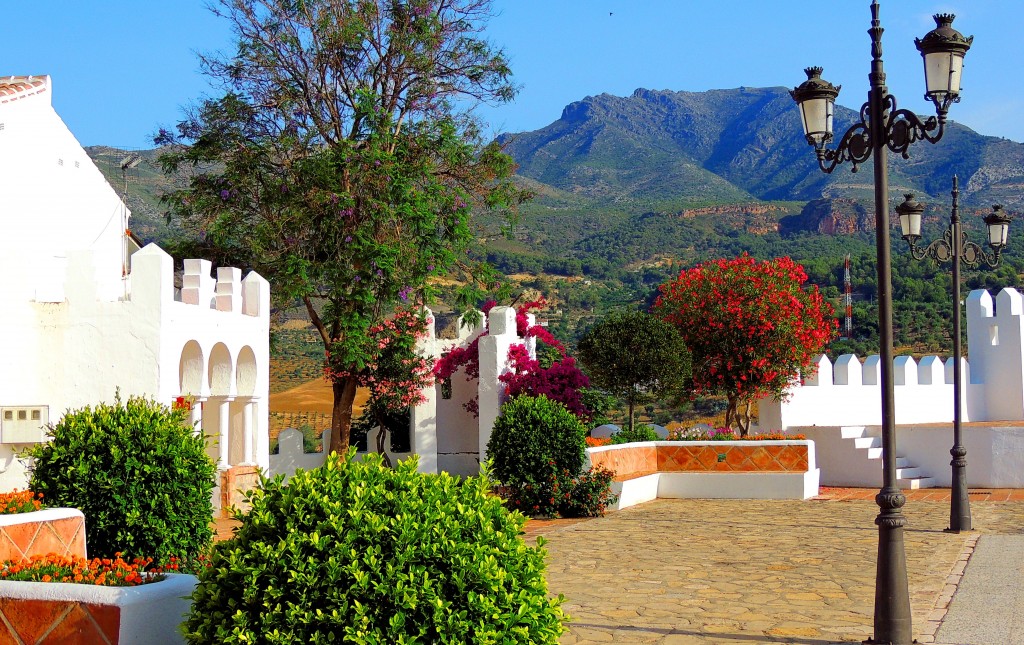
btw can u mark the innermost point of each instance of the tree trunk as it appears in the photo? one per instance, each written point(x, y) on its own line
point(744, 419)
point(731, 411)
point(341, 414)
point(631, 416)
point(382, 433)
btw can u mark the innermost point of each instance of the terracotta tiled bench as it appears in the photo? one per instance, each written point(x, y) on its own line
point(710, 469)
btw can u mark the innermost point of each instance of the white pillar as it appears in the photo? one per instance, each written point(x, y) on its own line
point(224, 431)
point(195, 416)
point(247, 433)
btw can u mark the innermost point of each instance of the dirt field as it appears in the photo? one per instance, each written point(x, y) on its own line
point(311, 396)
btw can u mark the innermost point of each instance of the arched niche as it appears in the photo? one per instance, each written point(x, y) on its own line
point(245, 372)
point(190, 369)
point(220, 370)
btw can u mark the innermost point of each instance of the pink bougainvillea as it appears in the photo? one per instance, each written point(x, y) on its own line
point(561, 381)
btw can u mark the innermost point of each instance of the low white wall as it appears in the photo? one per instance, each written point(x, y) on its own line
point(714, 485)
point(635, 491)
point(291, 455)
point(739, 485)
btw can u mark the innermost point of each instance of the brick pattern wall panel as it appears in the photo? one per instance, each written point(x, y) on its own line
point(628, 463)
point(732, 458)
point(35, 622)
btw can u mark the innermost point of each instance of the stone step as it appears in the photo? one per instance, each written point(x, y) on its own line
point(916, 483)
point(912, 472)
point(867, 442)
point(852, 432)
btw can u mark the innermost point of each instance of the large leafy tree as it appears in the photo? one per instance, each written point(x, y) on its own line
point(635, 356)
point(750, 325)
point(343, 161)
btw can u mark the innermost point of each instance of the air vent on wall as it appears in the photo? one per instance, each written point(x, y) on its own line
point(24, 424)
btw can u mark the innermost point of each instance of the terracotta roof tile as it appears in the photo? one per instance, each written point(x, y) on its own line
point(13, 88)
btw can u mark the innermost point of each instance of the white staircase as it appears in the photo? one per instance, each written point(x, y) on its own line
point(869, 438)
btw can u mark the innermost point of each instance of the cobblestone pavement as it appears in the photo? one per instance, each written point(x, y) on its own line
point(676, 572)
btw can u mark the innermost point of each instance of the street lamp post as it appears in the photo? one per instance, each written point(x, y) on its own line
point(883, 126)
point(954, 247)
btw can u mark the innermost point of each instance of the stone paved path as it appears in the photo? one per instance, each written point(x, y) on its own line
point(676, 572)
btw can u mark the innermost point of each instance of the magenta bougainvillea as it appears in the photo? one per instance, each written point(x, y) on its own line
point(561, 381)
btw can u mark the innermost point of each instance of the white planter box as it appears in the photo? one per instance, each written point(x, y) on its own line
point(75, 614)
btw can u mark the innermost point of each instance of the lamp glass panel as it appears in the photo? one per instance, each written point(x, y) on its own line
point(997, 234)
point(942, 72)
point(817, 117)
point(911, 224)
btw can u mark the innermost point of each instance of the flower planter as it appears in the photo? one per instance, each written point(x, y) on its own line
point(77, 614)
point(782, 469)
point(51, 530)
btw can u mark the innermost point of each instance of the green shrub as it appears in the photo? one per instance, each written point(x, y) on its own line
point(589, 495)
point(355, 552)
point(137, 472)
point(638, 433)
point(535, 441)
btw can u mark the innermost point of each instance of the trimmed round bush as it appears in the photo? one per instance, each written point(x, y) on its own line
point(356, 552)
point(138, 473)
point(536, 448)
point(638, 433)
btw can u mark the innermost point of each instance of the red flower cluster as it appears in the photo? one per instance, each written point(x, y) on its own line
point(395, 373)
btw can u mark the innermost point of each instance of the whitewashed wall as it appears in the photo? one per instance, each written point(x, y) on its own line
point(848, 393)
point(446, 436)
point(66, 355)
point(55, 201)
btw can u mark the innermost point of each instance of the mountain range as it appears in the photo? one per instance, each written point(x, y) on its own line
point(736, 154)
point(684, 149)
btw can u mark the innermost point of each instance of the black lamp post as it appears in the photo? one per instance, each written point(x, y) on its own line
point(954, 247)
point(882, 126)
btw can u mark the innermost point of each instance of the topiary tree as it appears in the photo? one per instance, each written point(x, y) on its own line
point(635, 356)
point(356, 552)
point(138, 473)
point(750, 325)
point(536, 448)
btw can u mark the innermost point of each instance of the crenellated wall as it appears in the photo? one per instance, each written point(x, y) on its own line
point(848, 393)
point(446, 436)
point(209, 341)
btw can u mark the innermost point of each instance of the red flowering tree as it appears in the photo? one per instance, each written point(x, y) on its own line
point(750, 326)
point(395, 373)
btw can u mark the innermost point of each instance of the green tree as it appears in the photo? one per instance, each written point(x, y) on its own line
point(343, 162)
point(635, 356)
point(750, 325)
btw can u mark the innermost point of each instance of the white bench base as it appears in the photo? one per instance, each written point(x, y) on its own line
point(717, 485)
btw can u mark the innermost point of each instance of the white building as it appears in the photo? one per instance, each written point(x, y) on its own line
point(79, 321)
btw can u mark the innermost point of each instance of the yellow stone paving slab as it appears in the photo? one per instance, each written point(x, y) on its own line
point(678, 572)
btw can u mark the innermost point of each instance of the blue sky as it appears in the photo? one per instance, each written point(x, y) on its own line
point(123, 68)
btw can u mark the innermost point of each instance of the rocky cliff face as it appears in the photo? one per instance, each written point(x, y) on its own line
point(837, 216)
